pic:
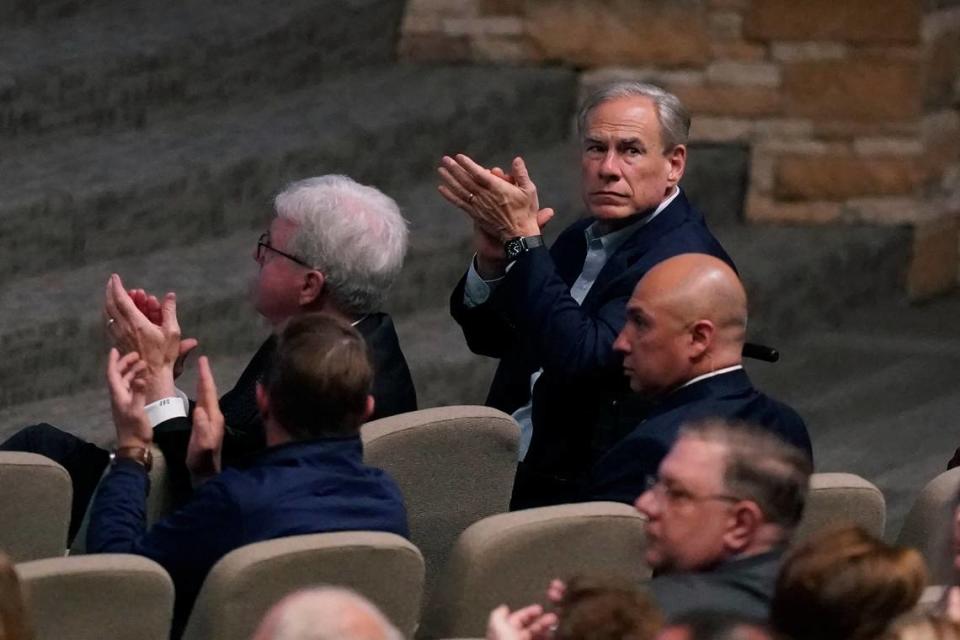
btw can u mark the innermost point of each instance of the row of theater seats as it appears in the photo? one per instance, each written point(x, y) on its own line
point(455, 466)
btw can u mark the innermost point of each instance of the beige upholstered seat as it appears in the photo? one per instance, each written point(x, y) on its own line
point(510, 558)
point(928, 526)
point(115, 596)
point(837, 498)
point(246, 582)
point(35, 495)
point(455, 466)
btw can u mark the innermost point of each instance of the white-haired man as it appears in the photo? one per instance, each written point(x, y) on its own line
point(325, 613)
point(334, 246)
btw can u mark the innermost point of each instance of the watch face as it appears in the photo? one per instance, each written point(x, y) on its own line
point(513, 248)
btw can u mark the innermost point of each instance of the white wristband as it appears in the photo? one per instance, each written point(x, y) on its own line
point(164, 409)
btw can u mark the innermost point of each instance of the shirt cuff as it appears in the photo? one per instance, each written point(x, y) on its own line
point(476, 290)
point(166, 409)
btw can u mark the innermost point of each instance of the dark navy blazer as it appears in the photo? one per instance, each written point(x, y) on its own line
point(312, 486)
point(621, 474)
point(531, 321)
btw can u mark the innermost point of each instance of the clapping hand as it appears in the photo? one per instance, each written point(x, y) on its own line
point(501, 205)
point(150, 306)
point(206, 437)
point(529, 623)
point(125, 380)
point(133, 331)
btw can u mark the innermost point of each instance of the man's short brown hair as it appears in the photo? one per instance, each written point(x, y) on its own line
point(319, 378)
point(760, 466)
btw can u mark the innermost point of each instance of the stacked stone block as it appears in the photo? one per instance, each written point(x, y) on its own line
point(850, 108)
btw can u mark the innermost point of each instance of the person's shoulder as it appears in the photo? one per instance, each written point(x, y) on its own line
point(726, 591)
point(683, 586)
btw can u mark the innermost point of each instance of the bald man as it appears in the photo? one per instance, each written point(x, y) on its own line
point(325, 613)
point(681, 347)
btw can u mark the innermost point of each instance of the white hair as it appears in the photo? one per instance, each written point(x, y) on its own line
point(351, 232)
point(326, 613)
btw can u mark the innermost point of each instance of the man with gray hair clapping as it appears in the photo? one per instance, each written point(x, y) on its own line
point(334, 246)
point(551, 315)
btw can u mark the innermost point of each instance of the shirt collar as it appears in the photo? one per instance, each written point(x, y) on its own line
point(711, 374)
point(609, 242)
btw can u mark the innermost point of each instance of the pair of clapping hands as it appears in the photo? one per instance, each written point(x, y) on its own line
point(528, 623)
point(147, 334)
point(501, 205)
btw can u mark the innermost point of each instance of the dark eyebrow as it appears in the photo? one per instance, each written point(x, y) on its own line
point(629, 141)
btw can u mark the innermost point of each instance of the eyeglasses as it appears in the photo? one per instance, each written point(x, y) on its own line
point(264, 243)
point(672, 493)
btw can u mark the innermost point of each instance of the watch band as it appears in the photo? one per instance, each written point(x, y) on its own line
point(514, 247)
point(140, 455)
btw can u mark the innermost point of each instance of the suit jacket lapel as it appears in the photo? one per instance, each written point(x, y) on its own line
point(570, 251)
point(640, 242)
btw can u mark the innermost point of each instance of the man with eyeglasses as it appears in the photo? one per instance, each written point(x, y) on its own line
point(720, 512)
point(334, 246)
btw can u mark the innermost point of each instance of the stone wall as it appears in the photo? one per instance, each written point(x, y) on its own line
point(851, 109)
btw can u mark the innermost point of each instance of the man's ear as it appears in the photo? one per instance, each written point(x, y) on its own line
point(677, 158)
point(311, 287)
point(745, 521)
point(701, 337)
point(263, 401)
point(368, 409)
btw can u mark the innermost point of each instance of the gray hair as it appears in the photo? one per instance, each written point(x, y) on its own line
point(351, 232)
point(761, 467)
point(327, 613)
point(673, 116)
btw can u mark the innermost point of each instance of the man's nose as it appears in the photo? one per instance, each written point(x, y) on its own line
point(610, 166)
point(621, 344)
point(647, 504)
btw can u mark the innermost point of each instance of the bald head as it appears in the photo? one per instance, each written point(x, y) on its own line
point(687, 316)
point(326, 613)
point(695, 286)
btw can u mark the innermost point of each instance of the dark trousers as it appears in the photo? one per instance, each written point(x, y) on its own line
point(84, 462)
point(532, 488)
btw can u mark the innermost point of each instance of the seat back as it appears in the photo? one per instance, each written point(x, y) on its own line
point(510, 559)
point(116, 596)
point(454, 465)
point(836, 498)
point(245, 583)
point(928, 526)
point(34, 506)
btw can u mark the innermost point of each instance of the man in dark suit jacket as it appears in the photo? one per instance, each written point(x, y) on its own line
point(334, 246)
point(552, 316)
point(310, 478)
point(682, 348)
point(721, 511)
